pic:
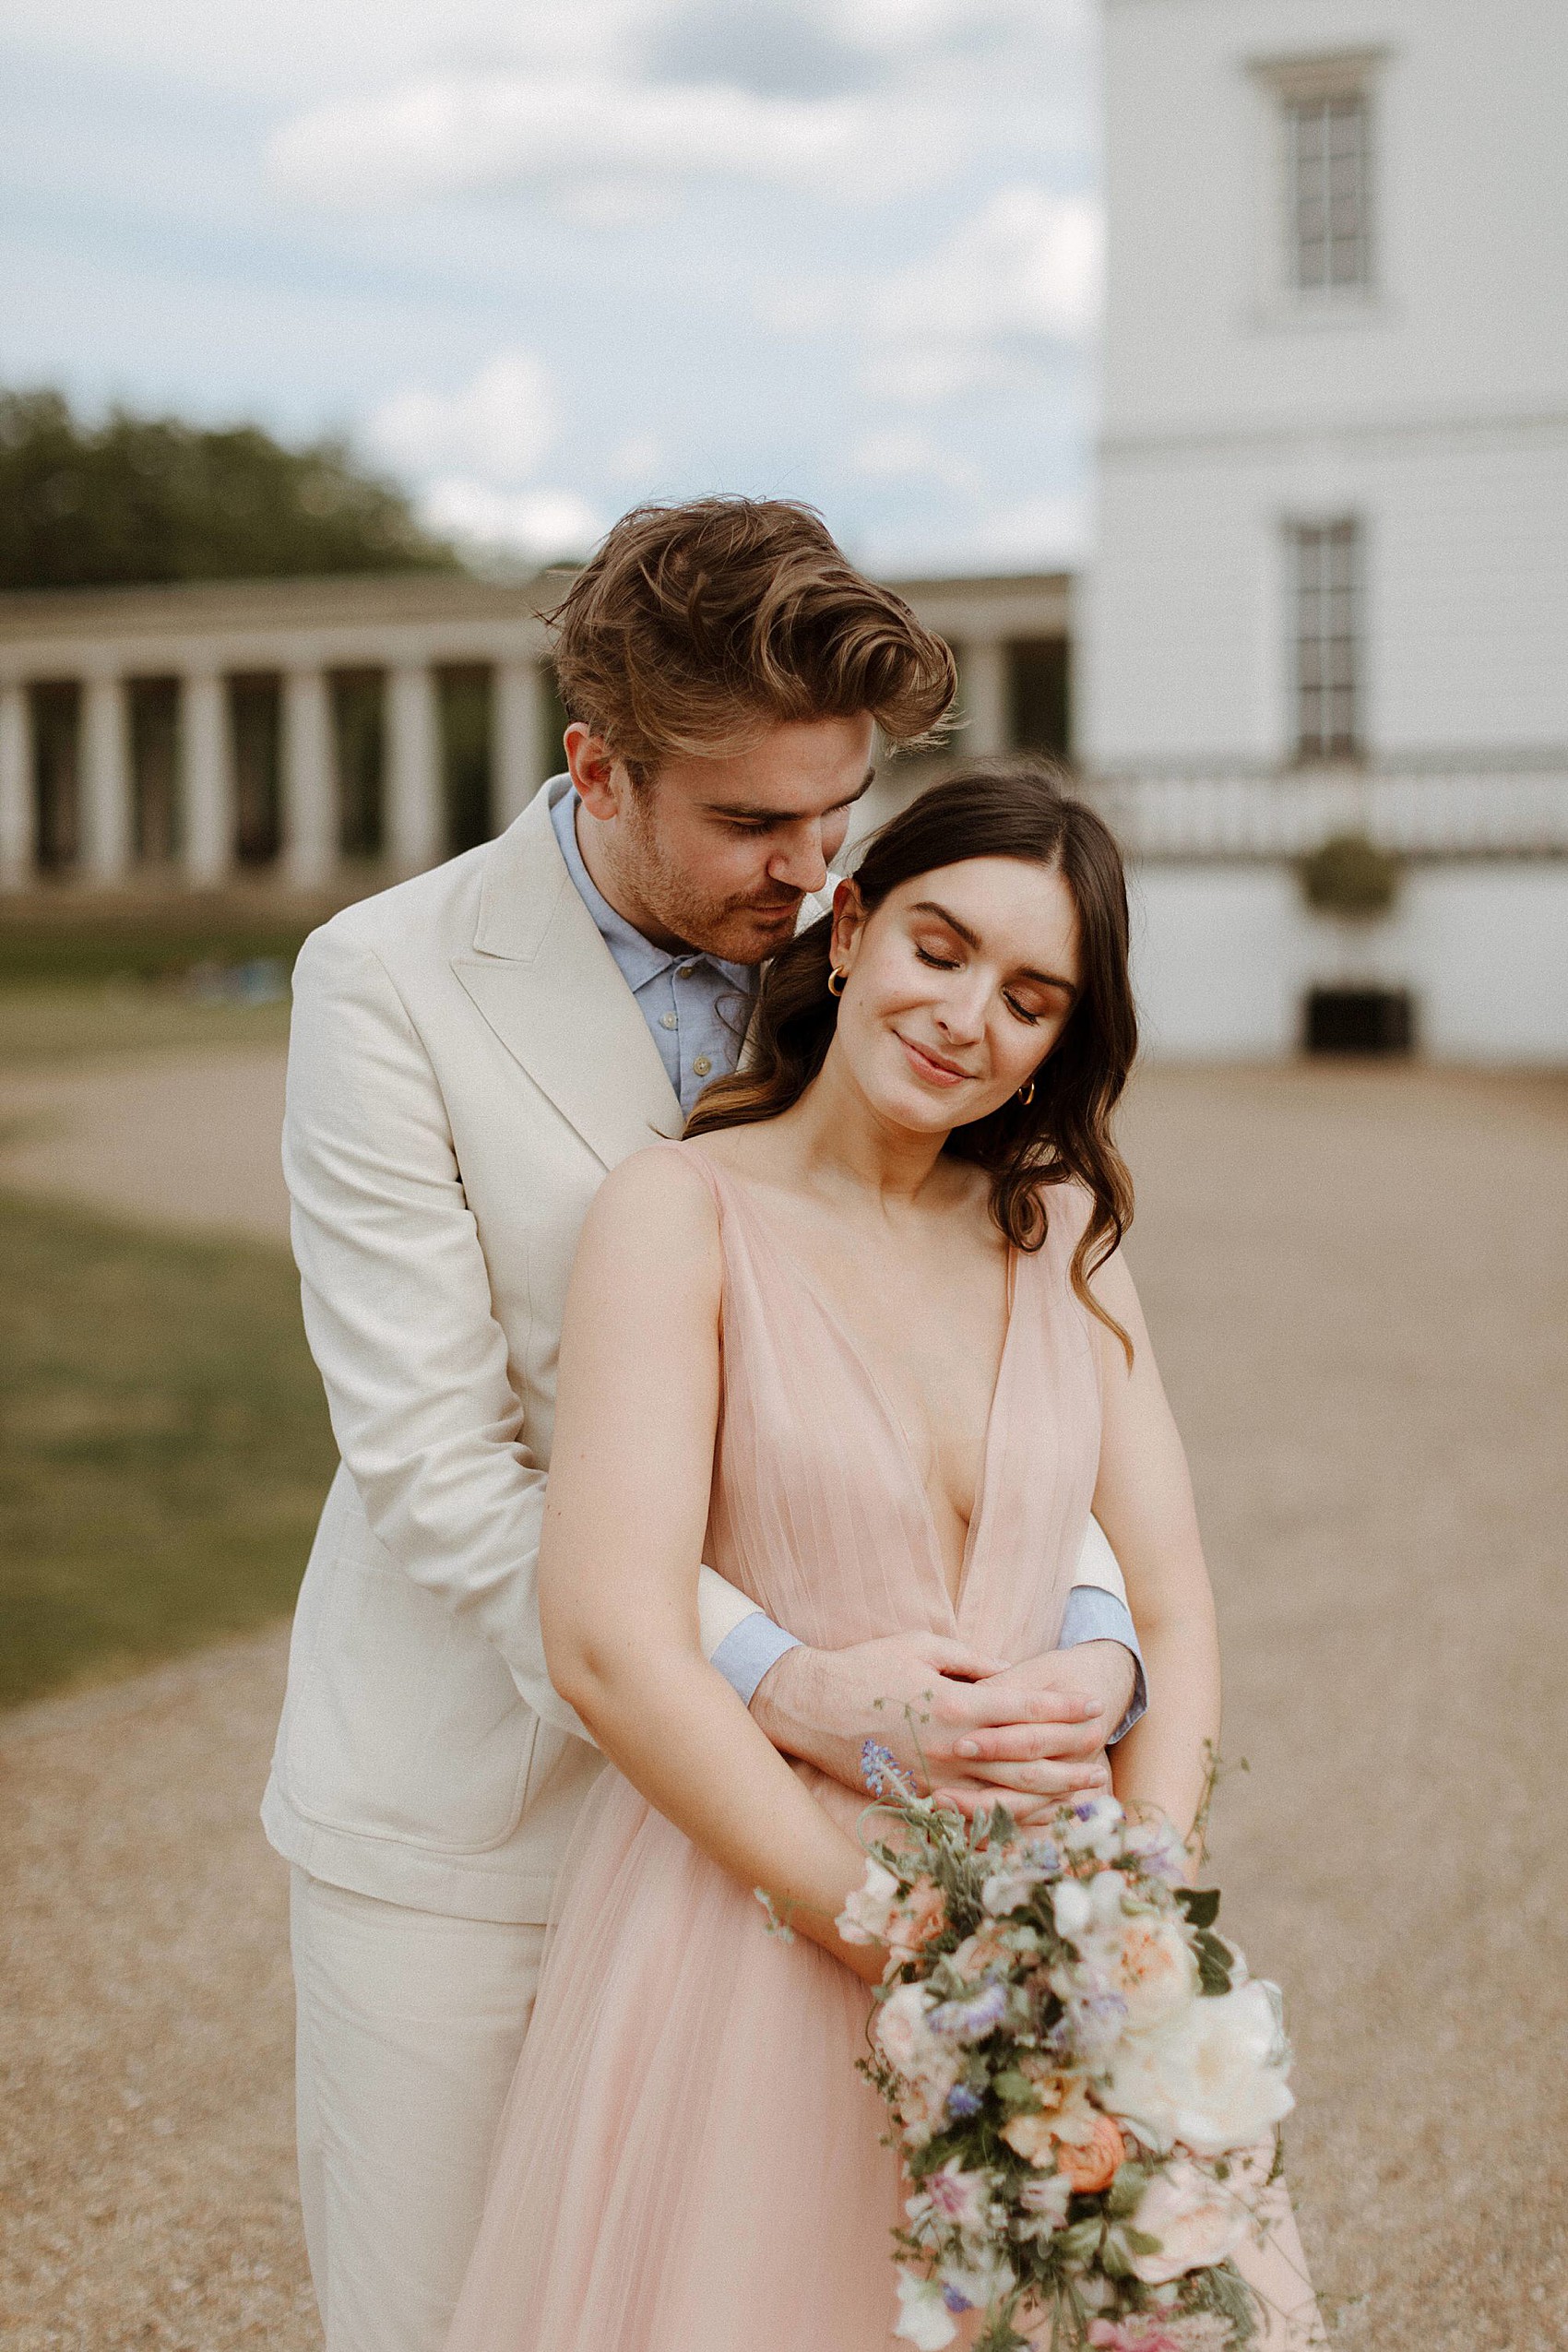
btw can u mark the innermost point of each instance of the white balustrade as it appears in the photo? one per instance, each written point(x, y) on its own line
point(517, 736)
point(16, 787)
point(106, 778)
point(207, 787)
point(415, 812)
point(309, 779)
point(1519, 815)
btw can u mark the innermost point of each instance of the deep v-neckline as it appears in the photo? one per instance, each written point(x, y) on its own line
point(807, 1282)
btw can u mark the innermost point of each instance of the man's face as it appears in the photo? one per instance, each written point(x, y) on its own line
point(718, 852)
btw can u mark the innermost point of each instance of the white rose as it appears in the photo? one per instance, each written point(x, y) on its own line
point(1198, 2221)
point(923, 2317)
point(1156, 1972)
point(1071, 1907)
point(900, 2028)
point(1213, 2076)
point(866, 1912)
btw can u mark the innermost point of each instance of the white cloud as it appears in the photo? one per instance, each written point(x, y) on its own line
point(905, 453)
point(1022, 275)
point(498, 426)
point(465, 134)
point(538, 524)
point(638, 458)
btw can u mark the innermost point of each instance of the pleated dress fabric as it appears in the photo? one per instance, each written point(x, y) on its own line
point(689, 2161)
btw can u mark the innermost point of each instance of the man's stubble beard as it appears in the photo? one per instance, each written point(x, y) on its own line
point(727, 928)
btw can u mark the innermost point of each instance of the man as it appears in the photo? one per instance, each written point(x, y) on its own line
point(471, 1051)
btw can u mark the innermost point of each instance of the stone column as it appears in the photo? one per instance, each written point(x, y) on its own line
point(982, 680)
point(310, 781)
point(517, 736)
point(106, 779)
point(206, 784)
point(415, 826)
point(16, 787)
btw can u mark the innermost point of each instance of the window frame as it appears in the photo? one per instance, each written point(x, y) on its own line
point(1327, 744)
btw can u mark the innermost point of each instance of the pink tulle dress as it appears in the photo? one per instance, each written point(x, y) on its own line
point(688, 2161)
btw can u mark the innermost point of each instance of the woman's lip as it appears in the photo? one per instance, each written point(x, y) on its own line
point(935, 1073)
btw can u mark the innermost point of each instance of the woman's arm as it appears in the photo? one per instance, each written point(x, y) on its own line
point(625, 1515)
point(1143, 1502)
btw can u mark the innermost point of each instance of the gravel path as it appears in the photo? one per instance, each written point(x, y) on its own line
point(1357, 1281)
point(189, 1140)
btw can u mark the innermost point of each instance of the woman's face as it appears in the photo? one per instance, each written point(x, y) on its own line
point(957, 987)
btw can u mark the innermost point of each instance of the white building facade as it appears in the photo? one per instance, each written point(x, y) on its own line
point(1330, 590)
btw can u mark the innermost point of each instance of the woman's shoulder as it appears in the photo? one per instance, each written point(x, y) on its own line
point(660, 1196)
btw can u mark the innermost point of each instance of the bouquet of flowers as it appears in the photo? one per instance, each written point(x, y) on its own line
point(1084, 2082)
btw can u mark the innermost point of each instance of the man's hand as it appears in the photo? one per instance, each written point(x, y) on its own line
point(999, 1762)
point(1026, 1735)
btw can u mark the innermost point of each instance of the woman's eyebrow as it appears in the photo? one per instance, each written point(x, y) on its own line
point(971, 939)
point(929, 907)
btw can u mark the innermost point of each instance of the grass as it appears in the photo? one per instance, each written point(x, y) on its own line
point(42, 1027)
point(76, 943)
point(164, 1446)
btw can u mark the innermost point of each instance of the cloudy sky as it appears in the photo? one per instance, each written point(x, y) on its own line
point(543, 258)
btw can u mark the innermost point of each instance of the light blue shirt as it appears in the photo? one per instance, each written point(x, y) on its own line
point(696, 1008)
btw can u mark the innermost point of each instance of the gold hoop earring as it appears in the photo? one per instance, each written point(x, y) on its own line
point(836, 979)
point(1026, 1094)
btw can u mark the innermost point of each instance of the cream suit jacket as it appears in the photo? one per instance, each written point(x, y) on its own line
point(466, 1064)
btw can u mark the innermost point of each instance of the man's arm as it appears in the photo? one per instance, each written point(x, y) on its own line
point(398, 1314)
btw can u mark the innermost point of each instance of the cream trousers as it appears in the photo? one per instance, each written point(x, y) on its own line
point(408, 2030)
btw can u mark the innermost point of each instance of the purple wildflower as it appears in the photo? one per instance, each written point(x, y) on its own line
point(962, 2102)
point(954, 2301)
point(971, 2020)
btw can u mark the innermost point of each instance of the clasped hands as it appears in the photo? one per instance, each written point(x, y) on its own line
point(986, 1733)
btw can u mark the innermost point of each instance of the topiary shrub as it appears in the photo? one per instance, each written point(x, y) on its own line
point(1349, 875)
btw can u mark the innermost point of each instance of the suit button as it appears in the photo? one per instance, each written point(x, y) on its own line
point(701, 1066)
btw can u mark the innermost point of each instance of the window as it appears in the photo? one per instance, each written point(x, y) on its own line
point(1327, 638)
point(1328, 176)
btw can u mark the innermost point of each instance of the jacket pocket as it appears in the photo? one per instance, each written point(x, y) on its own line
point(407, 1725)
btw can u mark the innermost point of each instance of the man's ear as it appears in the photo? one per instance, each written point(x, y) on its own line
point(593, 766)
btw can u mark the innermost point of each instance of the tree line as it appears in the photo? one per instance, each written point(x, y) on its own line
point(140, 499)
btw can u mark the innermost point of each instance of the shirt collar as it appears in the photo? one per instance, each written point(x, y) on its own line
point(638, 960)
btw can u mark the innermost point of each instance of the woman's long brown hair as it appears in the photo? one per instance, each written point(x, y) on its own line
point(1013, 809)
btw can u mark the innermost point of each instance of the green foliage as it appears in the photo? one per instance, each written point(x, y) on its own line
point(164, 1445)
point(61, 950)
point(151, 498)
point(1350, 875)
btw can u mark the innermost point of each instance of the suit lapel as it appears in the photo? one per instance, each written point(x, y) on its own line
point(549, 987)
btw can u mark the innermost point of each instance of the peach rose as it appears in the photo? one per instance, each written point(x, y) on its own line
point(1092, 2165)
point(981, 1951)
point(1064, 2114)
point(916, 1918)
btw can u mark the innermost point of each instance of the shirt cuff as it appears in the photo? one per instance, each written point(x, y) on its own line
point(1094, 1615)
point(747, 1651)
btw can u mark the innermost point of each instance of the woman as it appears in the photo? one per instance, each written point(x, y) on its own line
point(895, 1359)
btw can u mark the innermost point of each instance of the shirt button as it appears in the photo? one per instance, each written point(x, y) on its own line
point(668, 1021)
point(702, 1065)
point(684, 971)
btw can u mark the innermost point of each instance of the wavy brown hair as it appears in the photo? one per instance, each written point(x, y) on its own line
point(1012, 809)
point(695, 625)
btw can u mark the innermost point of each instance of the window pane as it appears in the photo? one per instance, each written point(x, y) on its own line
point(1327, 629)
point(1327, 240)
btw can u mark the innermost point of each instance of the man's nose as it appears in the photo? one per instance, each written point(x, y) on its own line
point(798, 862)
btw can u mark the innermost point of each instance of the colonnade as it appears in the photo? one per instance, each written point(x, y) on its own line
point(412, 793)
point(300, 633)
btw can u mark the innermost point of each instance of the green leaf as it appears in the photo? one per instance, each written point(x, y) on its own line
point(1016, 2091)
point(1126, 2191)
point(1138, 2242)
point(1201, 1904)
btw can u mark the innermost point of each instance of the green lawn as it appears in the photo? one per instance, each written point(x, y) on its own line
point(163, 1445)
point(42, 1028)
